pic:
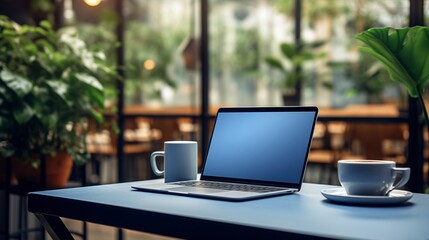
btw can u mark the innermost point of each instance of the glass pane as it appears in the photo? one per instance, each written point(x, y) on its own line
point(241, 34)
point(95, 25)
point(244, 33)
point(426, 12)
point(333, 73)
point(346, 75)
point(159, 37)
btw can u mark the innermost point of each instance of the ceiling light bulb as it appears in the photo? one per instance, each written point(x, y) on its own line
point(92, 3)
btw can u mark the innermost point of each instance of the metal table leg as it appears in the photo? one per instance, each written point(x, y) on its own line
point(55, 227)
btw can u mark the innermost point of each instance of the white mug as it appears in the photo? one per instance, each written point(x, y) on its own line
point(180, 161)
point(371, 177)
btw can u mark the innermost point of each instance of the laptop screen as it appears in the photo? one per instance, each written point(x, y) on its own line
point(261, 145)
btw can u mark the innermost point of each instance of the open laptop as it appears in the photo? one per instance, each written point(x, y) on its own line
point(254, 152)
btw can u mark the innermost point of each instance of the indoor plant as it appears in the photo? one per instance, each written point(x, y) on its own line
point(405, 54)
point(49, 87)
point(295, 55)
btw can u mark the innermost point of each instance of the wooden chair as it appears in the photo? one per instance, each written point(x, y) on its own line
point(367, 139)
point(103, 146)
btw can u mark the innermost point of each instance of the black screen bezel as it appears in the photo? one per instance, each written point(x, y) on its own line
point(313, 109)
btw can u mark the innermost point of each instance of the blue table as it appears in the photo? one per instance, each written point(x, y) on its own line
point(305, 215)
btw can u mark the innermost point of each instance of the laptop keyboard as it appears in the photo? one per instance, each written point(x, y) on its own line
point(230, 186)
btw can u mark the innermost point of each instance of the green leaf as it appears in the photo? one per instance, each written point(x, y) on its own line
point(317, 44)
point(42, 32)
point(23, 112)
point(288, 50)
point(49, 121)
point(328, 85)
point(7, 151)
point(16, 83)
point(274, 62)
point(96, 97)
point(404, 52)
point(89, 80)
point(31, 48)
point(46, 24)
point(24, 29)
point(94, 88)
point(305, 56)
point(59, 88)
point(97, 116)
point(6, 94)
point(46, 45)
point(8, 32)
point(60, 60)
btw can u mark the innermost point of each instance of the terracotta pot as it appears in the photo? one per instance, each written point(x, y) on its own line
point(58, 170)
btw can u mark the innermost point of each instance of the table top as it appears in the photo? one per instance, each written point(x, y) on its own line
point(306, 214)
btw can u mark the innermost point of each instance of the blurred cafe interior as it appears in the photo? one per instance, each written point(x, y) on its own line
point(178, 61)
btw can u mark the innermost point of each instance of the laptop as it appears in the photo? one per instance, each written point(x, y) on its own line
point(254, 152)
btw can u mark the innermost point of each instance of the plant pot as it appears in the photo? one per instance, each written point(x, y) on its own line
point(58, 170)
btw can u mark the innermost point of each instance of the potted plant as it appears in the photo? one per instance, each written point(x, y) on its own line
point(291, 67)
point(367, 77)
point(405, 54)
point(50, 85)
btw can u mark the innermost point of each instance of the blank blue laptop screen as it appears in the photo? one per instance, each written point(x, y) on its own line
point(262, 146)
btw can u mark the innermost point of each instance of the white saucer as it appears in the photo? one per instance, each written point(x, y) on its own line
point(340, 195)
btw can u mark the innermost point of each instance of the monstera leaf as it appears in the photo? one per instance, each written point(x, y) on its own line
point(405, 54)
point(403, 51)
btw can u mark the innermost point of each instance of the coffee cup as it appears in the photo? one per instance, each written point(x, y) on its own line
point(371, 177)
point(180, 161)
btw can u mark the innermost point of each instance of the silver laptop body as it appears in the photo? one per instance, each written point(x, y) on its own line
point(254, 152)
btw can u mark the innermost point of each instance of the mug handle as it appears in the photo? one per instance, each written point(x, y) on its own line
point(405, 176)
point(155, 169)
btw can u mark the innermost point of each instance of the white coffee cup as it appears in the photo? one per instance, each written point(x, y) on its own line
point(371, 177)
point(180, 161)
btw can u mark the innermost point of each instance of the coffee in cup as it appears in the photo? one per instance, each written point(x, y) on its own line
point(371, 177)
point(180, 161)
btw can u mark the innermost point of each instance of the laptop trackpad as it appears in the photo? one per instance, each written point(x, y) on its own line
point(195, 190)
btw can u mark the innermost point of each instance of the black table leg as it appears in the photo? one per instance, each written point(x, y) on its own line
point(55, 227)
